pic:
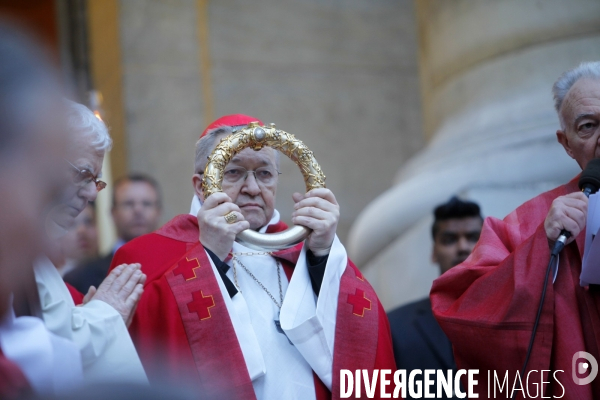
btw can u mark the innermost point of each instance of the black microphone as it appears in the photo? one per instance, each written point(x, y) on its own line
point(589, 183)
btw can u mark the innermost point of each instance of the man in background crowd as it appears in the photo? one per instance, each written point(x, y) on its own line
point(419, 342)
point(136, 211)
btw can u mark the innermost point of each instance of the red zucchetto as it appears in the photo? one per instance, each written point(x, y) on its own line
point(231, 120)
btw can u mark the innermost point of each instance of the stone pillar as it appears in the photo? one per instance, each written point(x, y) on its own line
point(487, 69)
point(162, 88)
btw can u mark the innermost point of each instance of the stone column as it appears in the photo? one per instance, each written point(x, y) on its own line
point(487, 69)
point(162, 88)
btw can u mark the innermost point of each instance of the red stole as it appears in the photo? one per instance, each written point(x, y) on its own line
point(357, 316)
point(210, 332)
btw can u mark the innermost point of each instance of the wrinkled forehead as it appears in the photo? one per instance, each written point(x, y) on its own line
point(584, 96)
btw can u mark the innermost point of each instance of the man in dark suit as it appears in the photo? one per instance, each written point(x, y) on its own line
point(136, 211)
point(419, 342)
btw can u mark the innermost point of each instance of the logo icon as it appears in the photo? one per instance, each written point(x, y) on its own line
point(580, 367)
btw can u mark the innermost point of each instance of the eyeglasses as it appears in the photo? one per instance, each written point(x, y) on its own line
point(264, 175)
point(84, 177)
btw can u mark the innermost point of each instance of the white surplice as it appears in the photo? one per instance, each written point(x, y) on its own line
point(277, 368)
point(97, 329)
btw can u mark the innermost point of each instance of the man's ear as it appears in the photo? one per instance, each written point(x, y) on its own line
point(562, 138)
point(433, 257)
point(197, 182)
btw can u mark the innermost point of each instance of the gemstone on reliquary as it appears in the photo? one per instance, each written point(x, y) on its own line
point(259, 133)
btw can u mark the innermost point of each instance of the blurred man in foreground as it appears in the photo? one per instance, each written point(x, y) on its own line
point(487, 305)
point(237, 323)
point(33, 139)
point(136, 211)
point(419, 342)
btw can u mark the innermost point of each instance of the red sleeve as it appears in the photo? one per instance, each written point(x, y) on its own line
point(487, 305)
point(157, 330)
point(75, 294)
point(160, 337)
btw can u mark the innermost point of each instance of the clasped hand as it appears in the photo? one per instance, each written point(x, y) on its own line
point(567, 212)
point(122, 290)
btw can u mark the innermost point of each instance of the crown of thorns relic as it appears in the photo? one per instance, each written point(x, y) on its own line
point(256, 137)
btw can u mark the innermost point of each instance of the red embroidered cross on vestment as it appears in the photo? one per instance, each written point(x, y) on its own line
point(201, 305)
point(187, 268)
point(359, 302)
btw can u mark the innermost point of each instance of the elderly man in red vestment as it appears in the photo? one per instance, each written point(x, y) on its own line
point(487, 306)
point(240, 323)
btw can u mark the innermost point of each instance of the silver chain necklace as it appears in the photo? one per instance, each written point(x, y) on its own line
point(276, 320)
point(235, 259)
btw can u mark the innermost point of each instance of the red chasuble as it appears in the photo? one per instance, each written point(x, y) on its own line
point(183, 332)
point(488, 304)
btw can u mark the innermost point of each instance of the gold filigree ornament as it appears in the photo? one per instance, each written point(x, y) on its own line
point(257, 137)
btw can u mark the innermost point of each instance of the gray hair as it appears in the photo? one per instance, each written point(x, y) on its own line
point(207, 144)
point(82, 120)
point(567, 80)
